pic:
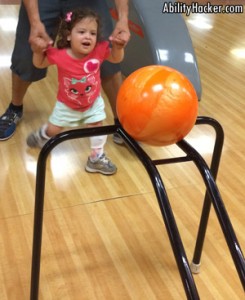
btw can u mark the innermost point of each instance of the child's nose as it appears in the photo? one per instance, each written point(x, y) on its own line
point(88, 35)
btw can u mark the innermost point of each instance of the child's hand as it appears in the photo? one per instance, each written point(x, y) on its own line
point(118, 43)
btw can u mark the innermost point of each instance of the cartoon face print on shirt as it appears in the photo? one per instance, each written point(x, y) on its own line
point(81, 90)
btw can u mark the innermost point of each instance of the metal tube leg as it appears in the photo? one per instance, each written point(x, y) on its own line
point(37, 231)
point(168, 217)
point(218, 146)
point(220, 210)
point(39, 196)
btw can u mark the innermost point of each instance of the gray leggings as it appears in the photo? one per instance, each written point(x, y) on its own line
point(50, 13)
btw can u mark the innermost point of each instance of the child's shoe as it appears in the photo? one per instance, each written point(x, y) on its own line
point(37, 139)
point(102, 165)
point(117, 139)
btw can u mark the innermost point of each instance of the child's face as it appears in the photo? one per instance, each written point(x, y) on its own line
point(83, 37)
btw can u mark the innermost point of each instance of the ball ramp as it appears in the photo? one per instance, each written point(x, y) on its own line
point(160, 38)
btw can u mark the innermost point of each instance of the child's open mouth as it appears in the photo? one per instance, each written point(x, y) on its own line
point(86, 44)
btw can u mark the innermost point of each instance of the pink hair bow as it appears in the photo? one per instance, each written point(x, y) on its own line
point(68, 17)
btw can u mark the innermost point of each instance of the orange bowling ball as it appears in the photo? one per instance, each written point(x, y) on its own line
point(157, 105)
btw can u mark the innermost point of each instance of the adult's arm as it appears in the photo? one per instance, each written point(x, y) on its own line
point(38, 30)
point(121, 33)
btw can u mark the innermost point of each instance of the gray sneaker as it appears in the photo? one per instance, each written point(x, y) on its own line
point(103, 165)
point(117, 139)
point(36, 139)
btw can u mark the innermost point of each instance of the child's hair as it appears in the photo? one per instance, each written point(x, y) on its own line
point(70, 21)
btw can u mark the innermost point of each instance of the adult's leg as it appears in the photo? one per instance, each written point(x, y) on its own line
point(23, 71)
point(111, 75)
point(19, 88)
point(13, 114)
point(111, 85)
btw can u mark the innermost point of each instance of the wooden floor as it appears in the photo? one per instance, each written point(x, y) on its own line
point(104, 237)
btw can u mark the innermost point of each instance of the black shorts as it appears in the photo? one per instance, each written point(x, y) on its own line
point(50, 13)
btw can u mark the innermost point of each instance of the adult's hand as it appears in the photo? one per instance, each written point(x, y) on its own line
point(120, 34)
point(39, 39)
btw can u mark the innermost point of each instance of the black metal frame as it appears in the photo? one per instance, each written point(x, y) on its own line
point(212, 197)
